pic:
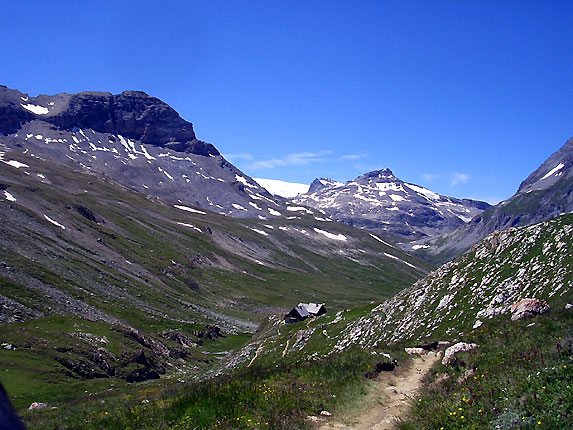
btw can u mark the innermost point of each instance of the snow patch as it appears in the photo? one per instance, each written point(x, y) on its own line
point(552, 171)
point(253, 204)
point(297, 209)
point(56, 223)
point(331, 235)
point(236, 206)
point(397, 198)
point(38, 110)
point(190, 226)
point(274, 212)
point(256, 230)
point(187, 209)
point(400, 260)
point(380, 240)
point(9, 196)
point(242, 180)
point(15, 164)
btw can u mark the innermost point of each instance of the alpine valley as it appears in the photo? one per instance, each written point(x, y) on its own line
point(144, 281)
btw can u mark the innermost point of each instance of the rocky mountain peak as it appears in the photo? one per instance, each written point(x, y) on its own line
point(134, 139)
point(384, 175)
point(319, 184)
point(557, 166)
point(381, 202)
point(132, 114)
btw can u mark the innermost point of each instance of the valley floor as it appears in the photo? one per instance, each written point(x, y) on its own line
point(389, 399)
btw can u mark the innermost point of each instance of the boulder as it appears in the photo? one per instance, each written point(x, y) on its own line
point(412, 351)
point(37, 405)
point(528, 308)
point(449, 355)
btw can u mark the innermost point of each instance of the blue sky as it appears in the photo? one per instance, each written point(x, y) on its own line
point(464, 98)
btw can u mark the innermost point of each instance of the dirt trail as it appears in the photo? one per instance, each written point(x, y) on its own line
point(389, 399)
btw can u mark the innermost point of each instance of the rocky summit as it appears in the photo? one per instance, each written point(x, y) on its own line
point(134, 139)
point(545, 194)
point(381, 202)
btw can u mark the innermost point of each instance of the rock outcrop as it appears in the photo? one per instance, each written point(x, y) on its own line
point(450, 353)
point(528, 308)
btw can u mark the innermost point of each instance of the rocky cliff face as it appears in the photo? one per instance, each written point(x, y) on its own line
point(132, 114)
point(381, 202)
point(545, 194)
point(136, 140)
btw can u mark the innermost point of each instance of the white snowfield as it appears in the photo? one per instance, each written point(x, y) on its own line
point(282, 188)
point(425, 192)
point(332, 236)
point(38, 110)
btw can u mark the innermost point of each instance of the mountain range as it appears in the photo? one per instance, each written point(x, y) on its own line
point(435, 227)
point(136, 140)
point(400, 211)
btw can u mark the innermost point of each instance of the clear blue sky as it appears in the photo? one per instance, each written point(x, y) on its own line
point(465, 98)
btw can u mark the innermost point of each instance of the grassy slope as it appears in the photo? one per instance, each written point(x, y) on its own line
point(521, 376)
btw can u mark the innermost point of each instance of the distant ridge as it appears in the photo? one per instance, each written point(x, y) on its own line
point(381, 202)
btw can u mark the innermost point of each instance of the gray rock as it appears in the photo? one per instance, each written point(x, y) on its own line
point(449, 355)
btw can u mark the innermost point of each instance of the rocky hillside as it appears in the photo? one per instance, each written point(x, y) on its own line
point(504, 268)
point(545, 194)
point(380, 202)
point(136, 140)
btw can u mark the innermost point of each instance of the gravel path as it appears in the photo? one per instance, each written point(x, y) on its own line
point(390, 398)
